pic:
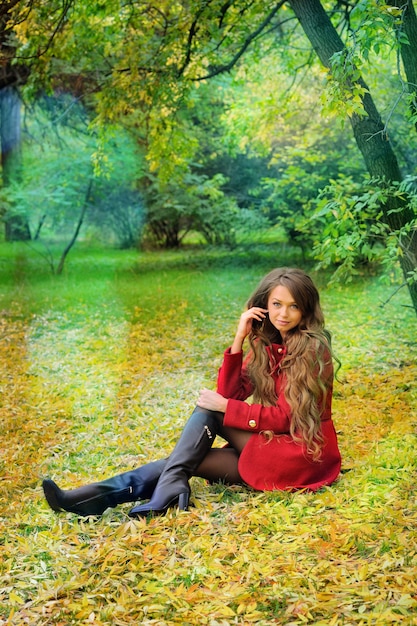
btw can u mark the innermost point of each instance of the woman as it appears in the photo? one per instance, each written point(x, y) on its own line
point(284, 439)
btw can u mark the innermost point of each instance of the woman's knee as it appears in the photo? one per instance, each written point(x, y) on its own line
point(220, 465)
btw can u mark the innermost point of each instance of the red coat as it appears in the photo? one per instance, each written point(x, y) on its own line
point(279, 463)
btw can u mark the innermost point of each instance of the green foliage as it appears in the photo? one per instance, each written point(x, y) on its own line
point(202, 188)
point(194, 203)
point(376, 28)
point(302, 170)
point(348, 217)
point(344, 91)
point(374, 36)
point(145, 67)
point(61, 155)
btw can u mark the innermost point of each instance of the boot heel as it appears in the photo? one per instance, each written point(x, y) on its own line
point(183, 501)
point(191, 448)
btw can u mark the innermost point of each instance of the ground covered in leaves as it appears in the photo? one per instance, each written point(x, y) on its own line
point(99, 370)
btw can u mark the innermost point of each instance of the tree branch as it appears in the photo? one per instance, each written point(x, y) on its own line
point(228, 66)
point(383, 304)
point(191, 35)
point(66, 6)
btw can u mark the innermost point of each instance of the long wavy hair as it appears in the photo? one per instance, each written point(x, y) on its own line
point(308, 356)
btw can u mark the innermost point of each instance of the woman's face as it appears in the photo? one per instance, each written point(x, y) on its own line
point(284, 313)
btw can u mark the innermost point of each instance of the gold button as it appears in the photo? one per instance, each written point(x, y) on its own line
point(252, 423)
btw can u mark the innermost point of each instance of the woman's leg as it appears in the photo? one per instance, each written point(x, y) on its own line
point(95, 498)
point(221, 464)
point(237, 438)
point(191, 451)
point(191, 448)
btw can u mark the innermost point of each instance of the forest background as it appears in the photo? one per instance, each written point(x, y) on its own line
point(157, 159)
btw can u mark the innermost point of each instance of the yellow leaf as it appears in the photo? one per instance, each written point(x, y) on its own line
point(15, 599)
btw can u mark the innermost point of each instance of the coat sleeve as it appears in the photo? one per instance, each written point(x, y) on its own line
point(234, 384)
point(256, 418)
point(232, 380)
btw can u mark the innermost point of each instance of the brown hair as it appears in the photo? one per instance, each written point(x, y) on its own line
point(308, 353)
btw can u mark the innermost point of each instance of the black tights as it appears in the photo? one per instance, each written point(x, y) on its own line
point(221, 464)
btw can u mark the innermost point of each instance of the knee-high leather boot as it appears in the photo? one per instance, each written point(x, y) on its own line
point(95, 498)
point(194, 443)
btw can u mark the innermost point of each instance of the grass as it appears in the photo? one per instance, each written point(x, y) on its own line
point(100, 368)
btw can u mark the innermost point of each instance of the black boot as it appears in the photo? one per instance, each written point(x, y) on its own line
point(95, 498)
point(196, 440)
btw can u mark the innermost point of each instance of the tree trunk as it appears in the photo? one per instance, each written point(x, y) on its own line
point(408, 48)
point(39, 227)
point(16, 224)
point(77, 228)
point(368, 129)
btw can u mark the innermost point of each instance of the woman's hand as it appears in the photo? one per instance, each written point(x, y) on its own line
point(245, 326)
point(212, 401)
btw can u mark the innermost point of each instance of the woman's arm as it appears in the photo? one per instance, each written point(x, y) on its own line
point(250, 417)
point(245, 326)
point(212, 401)
point(232, 380)
point(256, 418)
